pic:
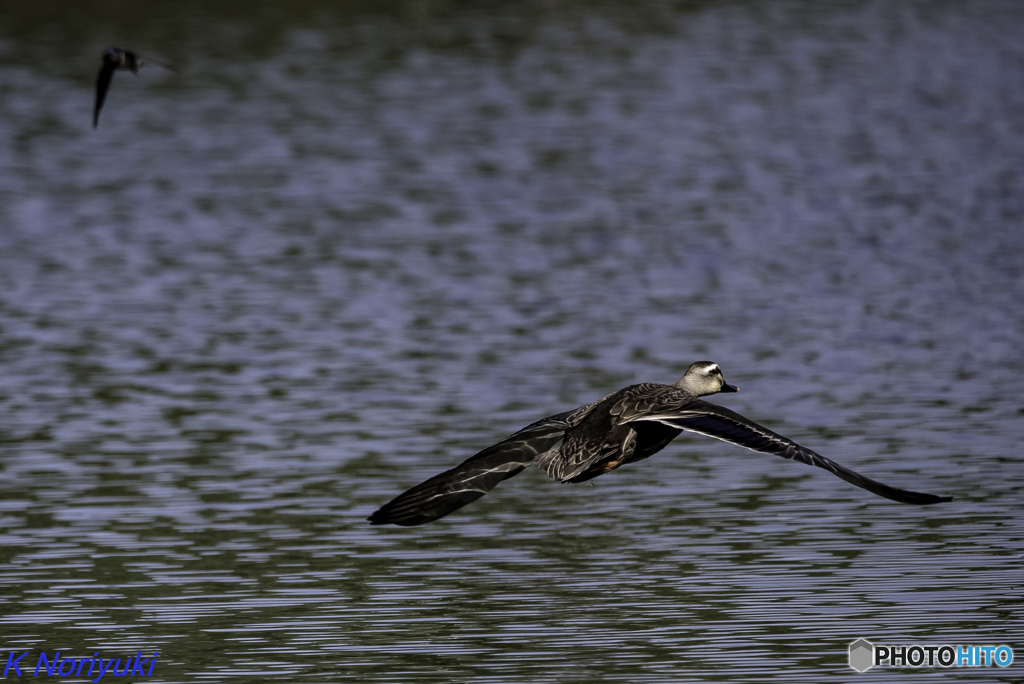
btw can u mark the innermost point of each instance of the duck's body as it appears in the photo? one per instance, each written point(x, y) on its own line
point(607, 437)
point(113, 59)
point(627, 426)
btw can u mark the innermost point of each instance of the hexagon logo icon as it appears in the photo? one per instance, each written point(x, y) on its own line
point(862, 655)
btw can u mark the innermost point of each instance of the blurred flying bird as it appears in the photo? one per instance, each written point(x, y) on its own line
point(115, 58)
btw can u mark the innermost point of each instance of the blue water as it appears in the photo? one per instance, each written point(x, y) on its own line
point(338, 252)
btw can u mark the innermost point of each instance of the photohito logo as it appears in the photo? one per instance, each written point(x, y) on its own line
point(865, 655)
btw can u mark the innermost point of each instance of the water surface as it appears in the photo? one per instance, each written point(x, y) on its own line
point(339, 252)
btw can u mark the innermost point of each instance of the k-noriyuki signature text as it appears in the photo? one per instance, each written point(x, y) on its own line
point(94, 666)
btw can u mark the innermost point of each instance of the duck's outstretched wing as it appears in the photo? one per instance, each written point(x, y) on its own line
point(721, 423)
point(102, 85)
point(474, 477)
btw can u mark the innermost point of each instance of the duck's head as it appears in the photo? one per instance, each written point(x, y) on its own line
point(703, 378)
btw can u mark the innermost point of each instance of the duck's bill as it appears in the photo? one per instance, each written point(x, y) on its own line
point(729, 388)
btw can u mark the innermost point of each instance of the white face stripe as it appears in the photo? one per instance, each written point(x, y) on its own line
point(707, 371)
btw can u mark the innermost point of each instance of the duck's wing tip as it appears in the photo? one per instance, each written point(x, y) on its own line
point(384, 517)
point(904, 495)
point(443, 494)
point(721, 423)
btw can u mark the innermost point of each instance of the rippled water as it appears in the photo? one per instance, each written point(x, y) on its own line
point(338, 253)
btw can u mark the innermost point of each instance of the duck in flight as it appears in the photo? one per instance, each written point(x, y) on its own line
point(626, 426)
point(113, 59)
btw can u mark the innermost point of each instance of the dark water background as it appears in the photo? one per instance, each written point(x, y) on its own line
point(344, 248)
